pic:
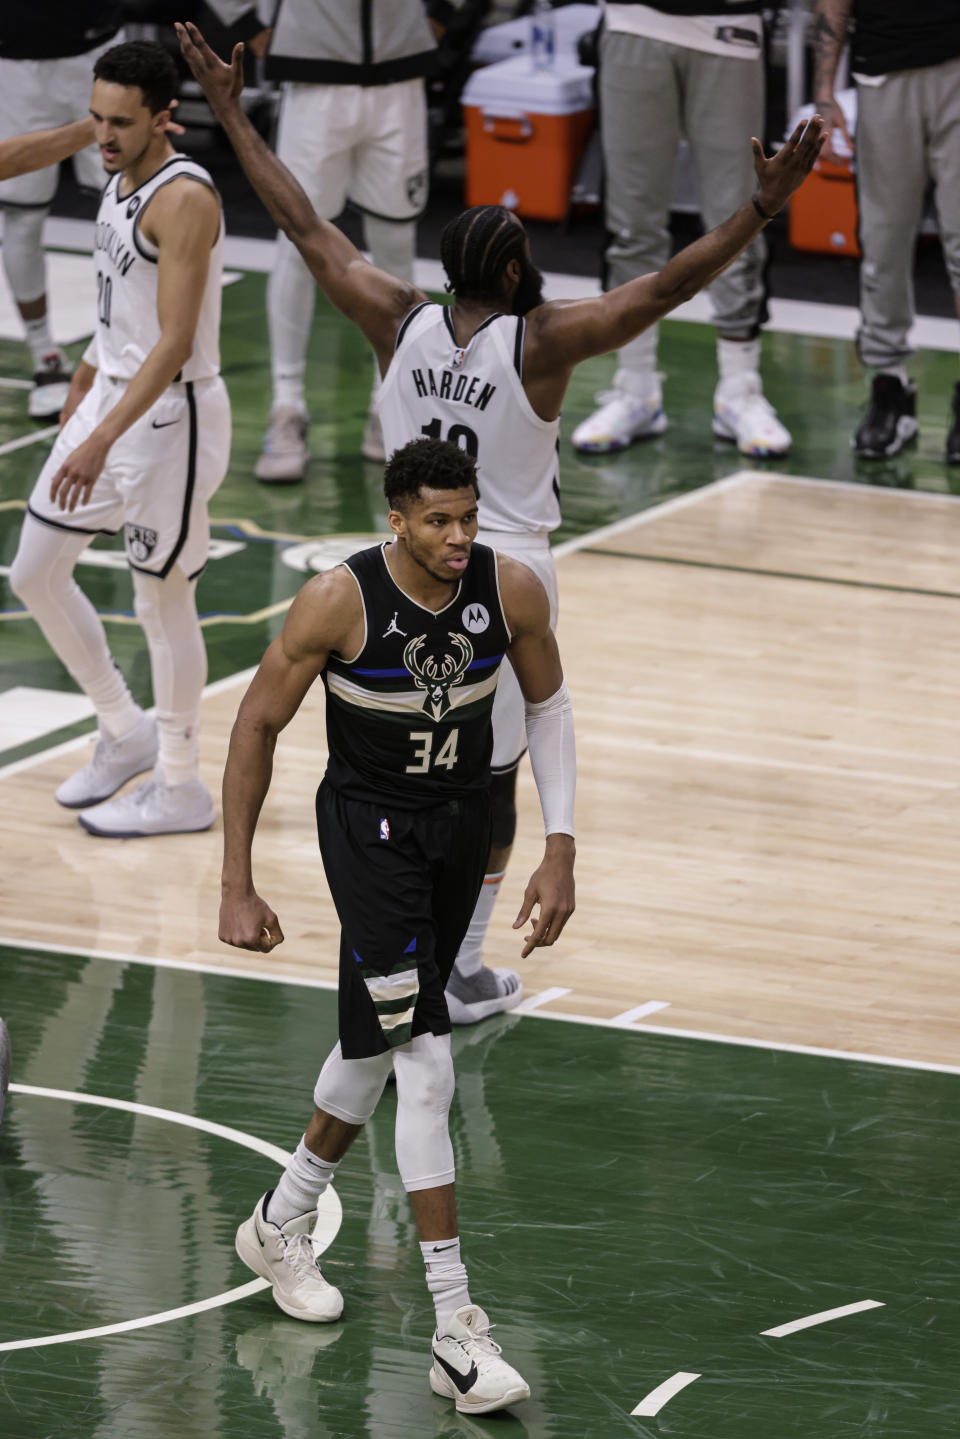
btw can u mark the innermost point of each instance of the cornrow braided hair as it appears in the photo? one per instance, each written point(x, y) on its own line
point(476, 247)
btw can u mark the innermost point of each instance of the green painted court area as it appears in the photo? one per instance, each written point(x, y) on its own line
point(633, 1206)
point(816, 384)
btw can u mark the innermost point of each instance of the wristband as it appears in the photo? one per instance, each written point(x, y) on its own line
point(760, 211)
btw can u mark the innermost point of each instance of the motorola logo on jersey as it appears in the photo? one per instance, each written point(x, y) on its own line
point(475, 619)
point(141, 542)
point(438, 672)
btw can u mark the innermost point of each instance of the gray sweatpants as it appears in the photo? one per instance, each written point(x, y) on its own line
point(908, 131)
point(652, 94)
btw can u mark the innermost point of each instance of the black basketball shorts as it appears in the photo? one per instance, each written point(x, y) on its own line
point(405, 883)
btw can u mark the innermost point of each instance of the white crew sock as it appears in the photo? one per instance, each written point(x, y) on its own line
point(470, 957)
point(39, 340)
point(301, 1185)
point(446, 1278)
point(291, 294)
point(738, 357)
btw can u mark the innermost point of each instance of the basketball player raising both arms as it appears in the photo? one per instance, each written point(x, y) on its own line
point(144, 443)
point(489, 372)
point(408, 638)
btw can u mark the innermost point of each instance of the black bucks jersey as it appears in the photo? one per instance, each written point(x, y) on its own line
point(408, 718)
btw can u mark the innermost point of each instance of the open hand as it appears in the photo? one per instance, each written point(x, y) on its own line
point(248, 922)
point(74, 480)
point(834, 127)
point(785, 172)
point(222, 84)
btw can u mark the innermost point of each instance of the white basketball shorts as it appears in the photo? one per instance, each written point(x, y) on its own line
point(40, 95)
point(366, 144)
point(158, 478)
point(509, 726)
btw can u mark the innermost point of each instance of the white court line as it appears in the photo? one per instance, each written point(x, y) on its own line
point(328, 1223)
point(242, 677)
point(7, 382)
point(824, 1317)
point(544, 996)
point(565, 1017)
point(647, 516)
point(861, 488)
point(32, 439)
point(663, 1393)
point(639, 1012)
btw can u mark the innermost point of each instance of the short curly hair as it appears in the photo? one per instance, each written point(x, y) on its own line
point(436, 464)
point(144, 64)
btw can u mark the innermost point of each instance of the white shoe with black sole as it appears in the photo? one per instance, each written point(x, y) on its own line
point(283, 1255)
point(468, 1369)
point(114, 762)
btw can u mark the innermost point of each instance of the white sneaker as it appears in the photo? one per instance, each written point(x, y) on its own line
point(620, 420)
point(51, 384)
point(114, 762)
point(372, 447)
point(743, 415)
point(284, 457)
point(152, 808)
point(283, 1255)
point(467, 1367)
point(489, 991)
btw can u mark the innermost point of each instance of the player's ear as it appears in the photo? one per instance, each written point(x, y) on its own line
point(397, 522)
point(161, 120)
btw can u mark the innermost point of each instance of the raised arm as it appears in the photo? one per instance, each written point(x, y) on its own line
point(831, 23)
point(564, 332)
point(371, 298)
point(535, 659)
point(321, 619)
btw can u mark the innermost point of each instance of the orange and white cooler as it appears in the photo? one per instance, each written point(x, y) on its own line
point(526, 131)
point(823, 212)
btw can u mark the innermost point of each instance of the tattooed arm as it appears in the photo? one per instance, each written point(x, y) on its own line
point(830, 25)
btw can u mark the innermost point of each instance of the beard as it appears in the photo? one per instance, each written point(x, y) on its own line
point(529, 293)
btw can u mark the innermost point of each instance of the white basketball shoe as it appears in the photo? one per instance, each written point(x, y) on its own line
point(742, 413)
point(152, 808)
point(476, 997)
point(620, 419)
point(468, 1369)
point(114, 762)
point(285, 455)
point(283, 1255)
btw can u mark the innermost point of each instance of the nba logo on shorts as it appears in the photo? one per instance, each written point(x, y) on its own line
point(384, 829)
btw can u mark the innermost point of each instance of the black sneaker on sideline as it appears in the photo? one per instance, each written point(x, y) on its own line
point(890, 421)
point(953, 438)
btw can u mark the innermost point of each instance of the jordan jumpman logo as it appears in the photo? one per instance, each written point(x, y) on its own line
point(393, 628)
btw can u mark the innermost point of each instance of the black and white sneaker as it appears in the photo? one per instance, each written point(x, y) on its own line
point(51, 384)
point(467, 1367)
point(890, 421)
point(953, 438)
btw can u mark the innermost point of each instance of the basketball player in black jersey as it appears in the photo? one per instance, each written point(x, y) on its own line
point(487, 257)
point(407, 638)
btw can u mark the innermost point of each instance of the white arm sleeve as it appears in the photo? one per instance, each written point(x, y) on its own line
point(553, 758)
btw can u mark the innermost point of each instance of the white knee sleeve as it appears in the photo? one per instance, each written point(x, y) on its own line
point(23, 257)
point(425, 1085)
point(392, 244)
point(350, 1089)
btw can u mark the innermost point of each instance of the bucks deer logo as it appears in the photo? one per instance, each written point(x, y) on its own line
point(437, 673)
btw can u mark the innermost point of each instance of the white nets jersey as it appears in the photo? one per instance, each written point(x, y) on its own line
point(474, 396)
point(126, 261)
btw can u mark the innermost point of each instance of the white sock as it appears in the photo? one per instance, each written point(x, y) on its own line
point(446, 1278)
point(291, 294)
point(39, 340)
point(644, 385)
point(178, 666)
point(899, 372)
point(117, 710)
point(470, 957)
point(178, 747)
point(301, 1185)
point(738, 357)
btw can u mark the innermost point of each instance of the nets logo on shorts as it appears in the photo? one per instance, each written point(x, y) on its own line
point(417, 189)
point(141, 542)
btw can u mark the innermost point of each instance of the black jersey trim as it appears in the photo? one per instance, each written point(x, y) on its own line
point(184, 175)
point(174, 159)
point(449, 323)
point(366, 623)
point(518, 346)
point(406, 322)
point(62, 525)
point(498, 769)
point(447, 320)
point(181, 540)
point(399, 588)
